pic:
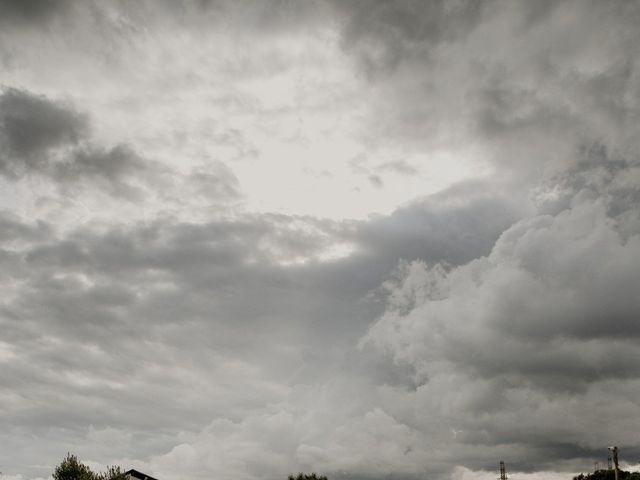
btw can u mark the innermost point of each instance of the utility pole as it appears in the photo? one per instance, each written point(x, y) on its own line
point(614, 453)
point(503, 471)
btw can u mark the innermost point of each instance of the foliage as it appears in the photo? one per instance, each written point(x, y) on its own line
point(72, 469)
point(303, 476)
point(112, 473)
point(608, 475)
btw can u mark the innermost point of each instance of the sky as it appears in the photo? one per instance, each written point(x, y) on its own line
point(373, 239)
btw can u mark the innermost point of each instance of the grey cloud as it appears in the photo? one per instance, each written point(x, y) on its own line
point(33, 12)
point(545, 321)
point(398, 166)
point(30, 127)
point(599, 173)
point(453, 226)
point(13, 228)
point(111, 164)
point(214, 280)
point(383, 34)
point(503, 82)
point(376, 181)
point(218, 183)
point(507, 331)
point(40, 137)
point(44, 137)
point(179, 298)
point(267, 18)
point(111, 169)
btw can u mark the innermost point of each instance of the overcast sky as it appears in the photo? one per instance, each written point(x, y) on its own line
point(372, 239)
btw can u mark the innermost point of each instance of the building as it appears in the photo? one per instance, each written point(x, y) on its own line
point(136, 475)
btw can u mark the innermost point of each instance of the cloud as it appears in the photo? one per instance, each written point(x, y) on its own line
point(398, 166)
point(200, 332)
point(492, 75)
point(47, 139)
point(30, 11)
point(536, 333)
point(221, 279)
point(215, 183)
point(44, 137)
point(383, 34)
point(31, 127)
point(453, 226)
point(13, 229)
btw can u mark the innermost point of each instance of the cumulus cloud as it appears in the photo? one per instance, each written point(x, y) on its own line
point(543, 326)
point(85, 286)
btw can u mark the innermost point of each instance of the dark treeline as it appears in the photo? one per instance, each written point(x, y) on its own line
point(72, 469)
point(608, 475)
point(303, 476)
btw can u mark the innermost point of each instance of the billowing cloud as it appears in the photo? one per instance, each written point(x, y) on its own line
point(370, 239)
point(541, 332)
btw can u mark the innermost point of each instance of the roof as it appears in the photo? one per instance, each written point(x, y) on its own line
point(136, 474)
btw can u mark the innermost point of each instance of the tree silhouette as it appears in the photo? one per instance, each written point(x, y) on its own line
point(608, 475)
point(303, 476)
point(72, 469)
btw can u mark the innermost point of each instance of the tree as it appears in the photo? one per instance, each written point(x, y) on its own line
point(112, 473)
point(71, 469)
point(608, 475)
point(303, 476)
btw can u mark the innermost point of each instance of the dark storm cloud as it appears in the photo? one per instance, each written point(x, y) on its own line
point(454, 226)
point(45, 137)
point(383, 33)
point(30, 127)
point(30, 12)
point(219, 278)
point(513, 112)
point(226, 344)
point(541, 326)
point(532, 82)
point(116, 298)
point(111, 164)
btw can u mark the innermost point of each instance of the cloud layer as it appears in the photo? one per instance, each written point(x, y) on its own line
point(370, 239)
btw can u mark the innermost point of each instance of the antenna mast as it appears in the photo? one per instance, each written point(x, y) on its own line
point(503, 471)
point(614, 453)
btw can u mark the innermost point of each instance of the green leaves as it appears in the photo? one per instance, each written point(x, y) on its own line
point(112, 473)
point(72, 469)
